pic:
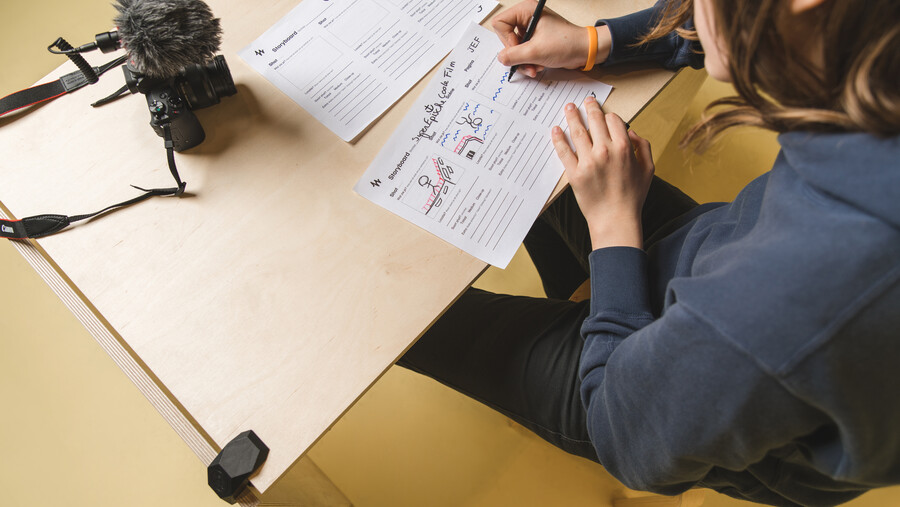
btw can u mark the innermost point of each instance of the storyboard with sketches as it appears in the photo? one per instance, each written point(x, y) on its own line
point(346, 63)
point(472, 162)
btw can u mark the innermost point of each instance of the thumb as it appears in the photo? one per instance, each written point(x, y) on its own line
point(641, 150)
point(517, 55)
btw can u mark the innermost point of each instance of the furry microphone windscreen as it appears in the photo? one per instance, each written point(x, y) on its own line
point(163, 36)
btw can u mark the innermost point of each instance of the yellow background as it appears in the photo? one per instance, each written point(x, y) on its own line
point(75, 432)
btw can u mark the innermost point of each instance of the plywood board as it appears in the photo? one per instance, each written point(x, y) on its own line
point(273, 296)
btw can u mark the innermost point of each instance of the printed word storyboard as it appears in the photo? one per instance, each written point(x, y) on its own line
point(347, 62)
point(472, 162)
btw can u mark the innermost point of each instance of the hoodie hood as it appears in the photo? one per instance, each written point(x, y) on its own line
point(859, 169)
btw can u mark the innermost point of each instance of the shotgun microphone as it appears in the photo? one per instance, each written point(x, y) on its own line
point(171, 46)
point(162, 37)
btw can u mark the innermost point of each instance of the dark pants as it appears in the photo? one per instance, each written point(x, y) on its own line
point(520, 355)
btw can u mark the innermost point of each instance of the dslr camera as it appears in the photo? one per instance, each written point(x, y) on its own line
point(172, 100)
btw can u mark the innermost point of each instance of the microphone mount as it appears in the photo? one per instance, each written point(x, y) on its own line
point(106, 42)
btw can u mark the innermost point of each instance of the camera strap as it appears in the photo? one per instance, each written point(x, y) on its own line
point(48, 91)
point(43, 225)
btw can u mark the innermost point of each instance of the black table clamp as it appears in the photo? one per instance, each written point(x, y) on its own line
point(230, 471)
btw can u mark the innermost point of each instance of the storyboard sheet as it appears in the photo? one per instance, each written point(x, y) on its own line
point(472, 162)
point(347, 62)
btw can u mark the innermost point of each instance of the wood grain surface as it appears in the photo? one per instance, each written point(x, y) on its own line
point(273, 296)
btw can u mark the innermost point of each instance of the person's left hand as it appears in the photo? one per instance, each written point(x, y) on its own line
point(610, 172)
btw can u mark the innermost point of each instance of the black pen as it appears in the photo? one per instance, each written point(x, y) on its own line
point(529, 31)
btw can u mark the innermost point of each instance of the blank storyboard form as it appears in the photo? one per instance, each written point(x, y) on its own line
point(347, 61)
point(472, 162)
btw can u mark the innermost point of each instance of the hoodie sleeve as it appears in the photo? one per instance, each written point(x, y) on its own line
point(670, 398)
point(671, 51)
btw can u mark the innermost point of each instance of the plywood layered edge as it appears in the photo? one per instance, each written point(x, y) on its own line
point(318, 489)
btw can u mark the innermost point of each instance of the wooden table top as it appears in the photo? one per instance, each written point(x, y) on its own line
point(273, 296)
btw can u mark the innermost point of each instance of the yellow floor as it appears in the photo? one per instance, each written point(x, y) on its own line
point(75, 432)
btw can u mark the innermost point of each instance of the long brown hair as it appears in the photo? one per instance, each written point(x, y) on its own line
point(858, 89)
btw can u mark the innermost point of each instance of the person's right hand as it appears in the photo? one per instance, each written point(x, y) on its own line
point(556, 42)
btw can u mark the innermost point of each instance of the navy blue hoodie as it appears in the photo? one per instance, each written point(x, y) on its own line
point(754, 347)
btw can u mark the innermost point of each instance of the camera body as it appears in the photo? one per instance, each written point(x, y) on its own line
point(171, 101)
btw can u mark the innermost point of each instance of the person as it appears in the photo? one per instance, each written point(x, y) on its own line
point(750, 347)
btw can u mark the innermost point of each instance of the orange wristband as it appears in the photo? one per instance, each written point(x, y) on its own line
point(592, 48)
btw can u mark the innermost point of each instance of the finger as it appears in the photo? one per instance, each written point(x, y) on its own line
point(579, 134)
point(511, 40)
point(514, 19)
point(563, 150)
point(505, 32)
point(529, 70)
point(641, 150)
point(618, 133)
point(596, 120)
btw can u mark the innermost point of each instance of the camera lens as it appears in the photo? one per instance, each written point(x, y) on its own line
point(220, 77)
point(204, 85)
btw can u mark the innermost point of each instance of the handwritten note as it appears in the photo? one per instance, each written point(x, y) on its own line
point(346, 62)
point(472, 161)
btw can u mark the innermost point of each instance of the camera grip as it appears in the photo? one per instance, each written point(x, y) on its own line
point(167, 107)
